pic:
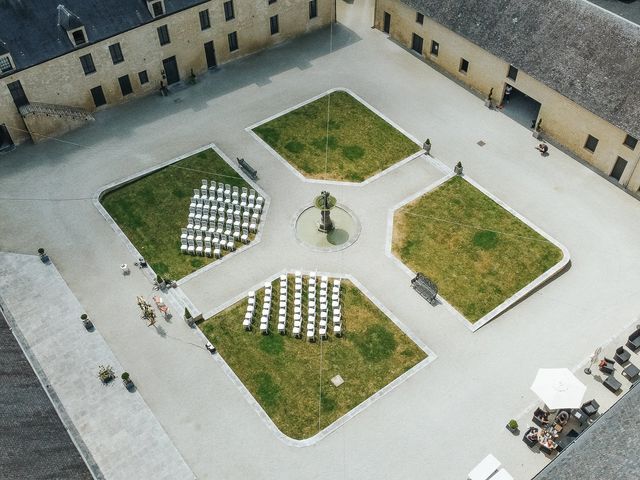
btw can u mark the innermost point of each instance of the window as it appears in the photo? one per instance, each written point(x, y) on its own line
point(464, 65)
point(512, 73)
point(163, 35)
point(5, 64)
point(416, 43)
point(98, 96)
point(273, 21)
point(419, 18)
point(591, 143)
point(618, 168)
point(228, 11)
point(157, 9)
point(313, 8)
point(233, 41)
point(205, 21)
point(116, 53)
point(435, 47)
point(144, 78)
point(125, 85)
point(629, 141)
point(87, 64)
point(78, 37)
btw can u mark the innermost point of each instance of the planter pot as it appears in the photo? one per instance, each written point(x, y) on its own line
point(190, 321)
point(128, 384)
point(427, 149)
point(487, 103)
point(88, 324)
point(514, 431)
point(536, 134)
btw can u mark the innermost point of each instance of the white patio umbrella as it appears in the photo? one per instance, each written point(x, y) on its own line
point(558, 388)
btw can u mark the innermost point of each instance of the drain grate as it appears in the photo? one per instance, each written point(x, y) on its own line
point(482, 143)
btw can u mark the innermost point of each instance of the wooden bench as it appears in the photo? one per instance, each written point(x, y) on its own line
point(248, 169)
point(426, 288)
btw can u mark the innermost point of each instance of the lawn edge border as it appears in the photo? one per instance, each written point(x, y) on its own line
point(301, 176)
point(513, 299)
point(148, 272)
point(332, 427)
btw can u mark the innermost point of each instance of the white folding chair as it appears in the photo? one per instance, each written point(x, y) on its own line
point(207, 247)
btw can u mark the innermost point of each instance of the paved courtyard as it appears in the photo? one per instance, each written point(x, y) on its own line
point(442, 420)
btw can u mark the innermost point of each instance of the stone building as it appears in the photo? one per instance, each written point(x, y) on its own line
point(571, 68)
point(61, 62)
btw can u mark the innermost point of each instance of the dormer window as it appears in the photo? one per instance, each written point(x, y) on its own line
point(78, 36)
point(156, 7)
point(72, 24)
point(6, 65)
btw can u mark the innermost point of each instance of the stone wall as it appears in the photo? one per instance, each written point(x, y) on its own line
point(563, 120)
point(61, 81)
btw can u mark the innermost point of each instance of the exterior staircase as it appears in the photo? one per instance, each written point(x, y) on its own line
point(44, 120)
point(62, 111)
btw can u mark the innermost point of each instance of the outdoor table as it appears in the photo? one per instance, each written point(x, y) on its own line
point(485, 468)
point(631, 371)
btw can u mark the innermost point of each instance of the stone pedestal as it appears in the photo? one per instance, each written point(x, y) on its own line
point(325, 225)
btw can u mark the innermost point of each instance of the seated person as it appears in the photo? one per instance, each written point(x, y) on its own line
point(533, 433)
point(542, 416)
point(543, 148)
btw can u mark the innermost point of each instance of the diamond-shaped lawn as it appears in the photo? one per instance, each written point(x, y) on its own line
point(291, 378)
point(152, 210)
point(336, 137)
point(478, 253)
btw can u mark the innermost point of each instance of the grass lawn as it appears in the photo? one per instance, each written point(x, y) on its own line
point(152, 210)
point(290, 377)
point(451, 235)
point(359, 142)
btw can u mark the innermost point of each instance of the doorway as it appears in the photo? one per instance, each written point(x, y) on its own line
point(387, 23)
point(618, 169)
point(171, 70)
point(521, 107)
point(6, 142)
point(17, 93)
point(210, 54)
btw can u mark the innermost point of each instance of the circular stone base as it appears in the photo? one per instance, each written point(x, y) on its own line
point(345, 233)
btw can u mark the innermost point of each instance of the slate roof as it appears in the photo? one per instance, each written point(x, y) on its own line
point(30, 30)
point(581, 51)
point(33, 441)
point(606, 450)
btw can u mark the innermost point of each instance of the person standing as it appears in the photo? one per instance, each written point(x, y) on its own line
point(507, 93)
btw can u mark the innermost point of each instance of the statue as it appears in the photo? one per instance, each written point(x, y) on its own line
point(325, 202)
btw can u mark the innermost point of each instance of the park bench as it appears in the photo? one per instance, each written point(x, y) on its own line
point(248, 169)
point(425, 287)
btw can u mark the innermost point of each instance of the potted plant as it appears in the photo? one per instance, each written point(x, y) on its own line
point(537, 129)
point(512, 426)
point(187, 317)
point(192, 78)
point(105, 373)
point(458, 168)
point(86, 322)
point(126, 380)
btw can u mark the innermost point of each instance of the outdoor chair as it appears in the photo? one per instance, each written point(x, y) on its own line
point(580, 416)
point(631, 372)
point(529, 442)
point(634, 340)
point(539, 417)
point(546, 450)
point(607, 365)
point(621, 356)
point(612, 384)
point(590, 408)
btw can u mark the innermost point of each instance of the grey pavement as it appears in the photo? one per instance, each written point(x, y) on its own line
point(113, 428)
point(446, 417)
